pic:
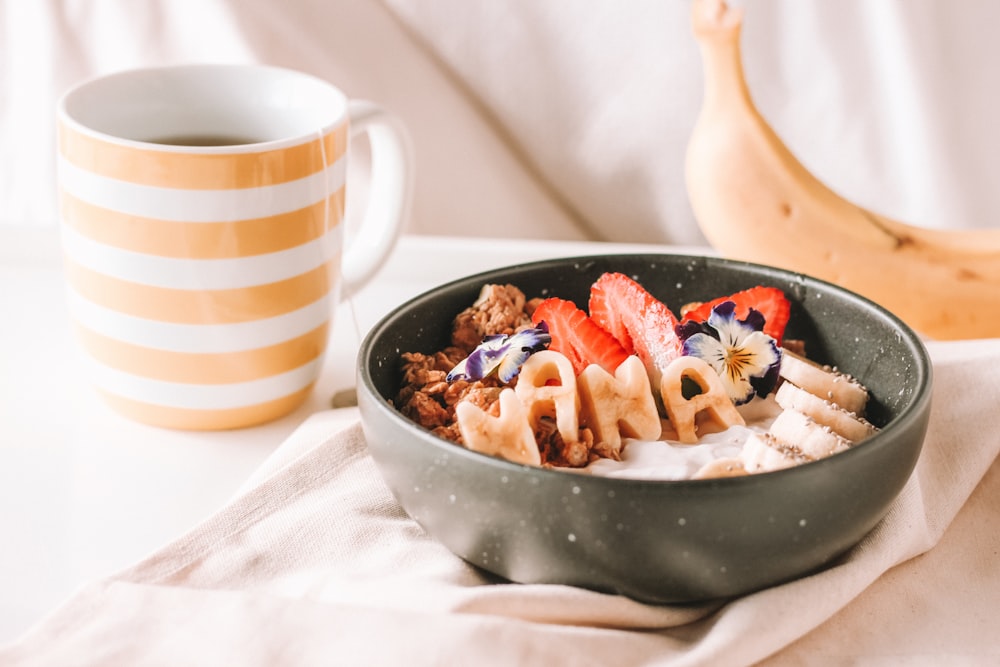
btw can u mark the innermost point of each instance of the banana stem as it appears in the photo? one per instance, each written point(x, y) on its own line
point(717, 28)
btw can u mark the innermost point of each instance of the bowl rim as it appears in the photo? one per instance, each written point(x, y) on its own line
point(917, 405)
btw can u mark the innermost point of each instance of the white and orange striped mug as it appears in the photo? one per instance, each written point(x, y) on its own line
point(202, 216)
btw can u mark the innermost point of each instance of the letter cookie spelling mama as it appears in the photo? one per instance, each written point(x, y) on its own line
point(618, 405)
point(547, 388)
point(508, 436)
point(712, 400)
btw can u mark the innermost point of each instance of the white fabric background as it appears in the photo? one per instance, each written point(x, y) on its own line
point(562, 119)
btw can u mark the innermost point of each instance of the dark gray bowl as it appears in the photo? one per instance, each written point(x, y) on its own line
point(663, 542)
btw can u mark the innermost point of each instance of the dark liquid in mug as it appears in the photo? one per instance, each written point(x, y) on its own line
point(205, 140)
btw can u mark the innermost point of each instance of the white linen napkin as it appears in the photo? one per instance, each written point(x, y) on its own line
point(314, 563)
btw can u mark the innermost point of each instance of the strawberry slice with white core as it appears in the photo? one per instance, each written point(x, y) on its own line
point(642, 323)
point(771, 302)
point(578, 337)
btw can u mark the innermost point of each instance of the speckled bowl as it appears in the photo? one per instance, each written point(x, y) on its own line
point(656, 541)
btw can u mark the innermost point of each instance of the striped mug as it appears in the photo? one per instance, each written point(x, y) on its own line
point(202, 220)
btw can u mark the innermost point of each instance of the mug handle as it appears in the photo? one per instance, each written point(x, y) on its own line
point(390, 193)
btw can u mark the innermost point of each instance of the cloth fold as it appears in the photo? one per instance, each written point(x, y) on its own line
point(314, 562)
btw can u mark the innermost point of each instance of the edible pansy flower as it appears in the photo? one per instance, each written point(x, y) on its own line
point(503, 354)
point(746, 358)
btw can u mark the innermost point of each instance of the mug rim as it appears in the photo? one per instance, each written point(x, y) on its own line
point(70, 120)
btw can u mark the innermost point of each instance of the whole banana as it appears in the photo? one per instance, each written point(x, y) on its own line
point(754, 200)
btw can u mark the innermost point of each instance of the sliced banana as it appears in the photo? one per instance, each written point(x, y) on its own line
point(811, 438)
point(827, 413)
point(723, 467)
point(764, 451)
point(825, 382)
point(820, 416)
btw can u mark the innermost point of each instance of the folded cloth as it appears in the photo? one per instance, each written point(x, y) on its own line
point(314, 562)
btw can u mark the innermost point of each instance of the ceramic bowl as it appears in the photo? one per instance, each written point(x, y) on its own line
point(654, 541)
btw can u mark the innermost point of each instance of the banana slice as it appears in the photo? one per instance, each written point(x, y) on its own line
point(825, 382)
point(808, 436)
point(764, 451)
point(724, 467)
point(824, 412)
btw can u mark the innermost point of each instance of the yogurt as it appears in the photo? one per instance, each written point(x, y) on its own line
point(670, 460)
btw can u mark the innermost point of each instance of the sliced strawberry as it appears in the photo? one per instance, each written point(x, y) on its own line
point(578, 337)
point(642, 323)
point(770, 301)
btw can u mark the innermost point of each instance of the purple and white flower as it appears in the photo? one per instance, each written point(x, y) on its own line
point(502, 354)
point(746, 358)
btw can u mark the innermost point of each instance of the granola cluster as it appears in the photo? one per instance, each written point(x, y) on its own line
point(426, 397)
